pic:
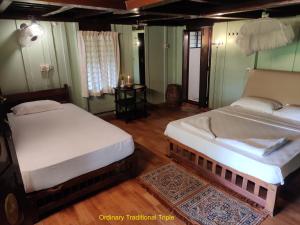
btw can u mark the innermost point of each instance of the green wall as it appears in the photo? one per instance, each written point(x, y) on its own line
point(20, 67)
point(12, 78)
point(135, 55)
point(229, 65)
point(163, 50)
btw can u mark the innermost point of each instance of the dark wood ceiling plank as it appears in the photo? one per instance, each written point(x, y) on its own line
point(206, 1)
point(93, 14)
point(187, 7)
point(142, 4)
point(133, 4)
point(62, 9)
point(150, 11)
point(92, 4)
point(4, 5)
point(249, 6)
point(160, 19)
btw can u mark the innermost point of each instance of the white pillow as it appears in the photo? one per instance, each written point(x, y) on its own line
point(289, 112)
point(35, 107)
point(258, 104)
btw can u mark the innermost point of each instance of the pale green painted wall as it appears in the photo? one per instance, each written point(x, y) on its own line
point(12, 72)
point(20, 67)
point(163, 49)
point(125, 37)
point(135, 55)
point(154, 55)
point(71, 37)
point(174, 54)
point(229, 65)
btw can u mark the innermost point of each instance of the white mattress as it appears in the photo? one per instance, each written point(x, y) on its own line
point(237, 123)
point(55, 146)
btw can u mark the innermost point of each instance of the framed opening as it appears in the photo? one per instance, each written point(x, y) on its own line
point(196, 66)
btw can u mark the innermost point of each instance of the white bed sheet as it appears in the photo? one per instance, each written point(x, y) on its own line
point(237, 123)
point(55, 146)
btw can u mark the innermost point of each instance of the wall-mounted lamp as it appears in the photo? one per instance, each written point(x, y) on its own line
point(29, 33)
point(166, 45)
point(217, 43)
point(2, 99)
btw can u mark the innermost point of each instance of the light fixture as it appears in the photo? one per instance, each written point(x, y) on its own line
point(218, 42)
point(136, 10)
point(29, 33)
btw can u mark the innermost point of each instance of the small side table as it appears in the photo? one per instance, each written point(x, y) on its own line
point(131, 102)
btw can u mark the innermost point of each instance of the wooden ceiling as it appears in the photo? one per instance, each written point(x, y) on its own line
point(151, 12)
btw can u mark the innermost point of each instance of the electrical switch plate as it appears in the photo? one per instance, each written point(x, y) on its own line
point(45, 67)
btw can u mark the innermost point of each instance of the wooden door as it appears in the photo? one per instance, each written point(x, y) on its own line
point(204, 62)
point(205, 66)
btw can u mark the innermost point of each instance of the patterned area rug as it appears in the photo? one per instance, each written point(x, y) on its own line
point(195, 200)
point(172, 183)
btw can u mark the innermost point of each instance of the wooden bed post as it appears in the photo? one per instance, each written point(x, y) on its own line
point(134, 165)
point(170, 149)
point(271, 199)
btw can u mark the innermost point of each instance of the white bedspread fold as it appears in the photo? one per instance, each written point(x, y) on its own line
point(259, 147)
point(200, 125)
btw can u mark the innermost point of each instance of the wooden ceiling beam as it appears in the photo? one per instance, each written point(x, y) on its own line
point(93, 14)
point(249, 6)
point(159, 19)
point(88, 4)
point(206, 1)
point(62, 9)
point(133, 4)
point(4, 5)
point(143, 4)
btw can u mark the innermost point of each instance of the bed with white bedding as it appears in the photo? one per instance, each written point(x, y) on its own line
point(237, 123)
point(251, 146)
point(64, 153)
point(55, 146)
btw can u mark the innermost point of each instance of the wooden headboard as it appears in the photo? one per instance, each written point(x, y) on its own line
point(281, 86)
point(58, 94)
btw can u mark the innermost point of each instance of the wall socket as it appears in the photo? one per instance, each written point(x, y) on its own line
point(45, 67)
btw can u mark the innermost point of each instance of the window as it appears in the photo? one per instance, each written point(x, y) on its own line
point(195, 39)
point(100, 62)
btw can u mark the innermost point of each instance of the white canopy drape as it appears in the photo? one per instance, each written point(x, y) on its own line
point(262, 34)
point(99, 56)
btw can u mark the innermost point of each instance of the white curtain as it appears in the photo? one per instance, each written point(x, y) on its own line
point(99, 56)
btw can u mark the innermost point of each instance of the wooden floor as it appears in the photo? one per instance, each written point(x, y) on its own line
point(130, 198)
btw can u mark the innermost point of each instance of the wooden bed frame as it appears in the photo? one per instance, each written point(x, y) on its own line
point(47, 201)
point(281, 86)
point(258, 191)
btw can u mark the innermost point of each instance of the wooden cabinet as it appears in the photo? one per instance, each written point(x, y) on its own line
point(131, 103)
